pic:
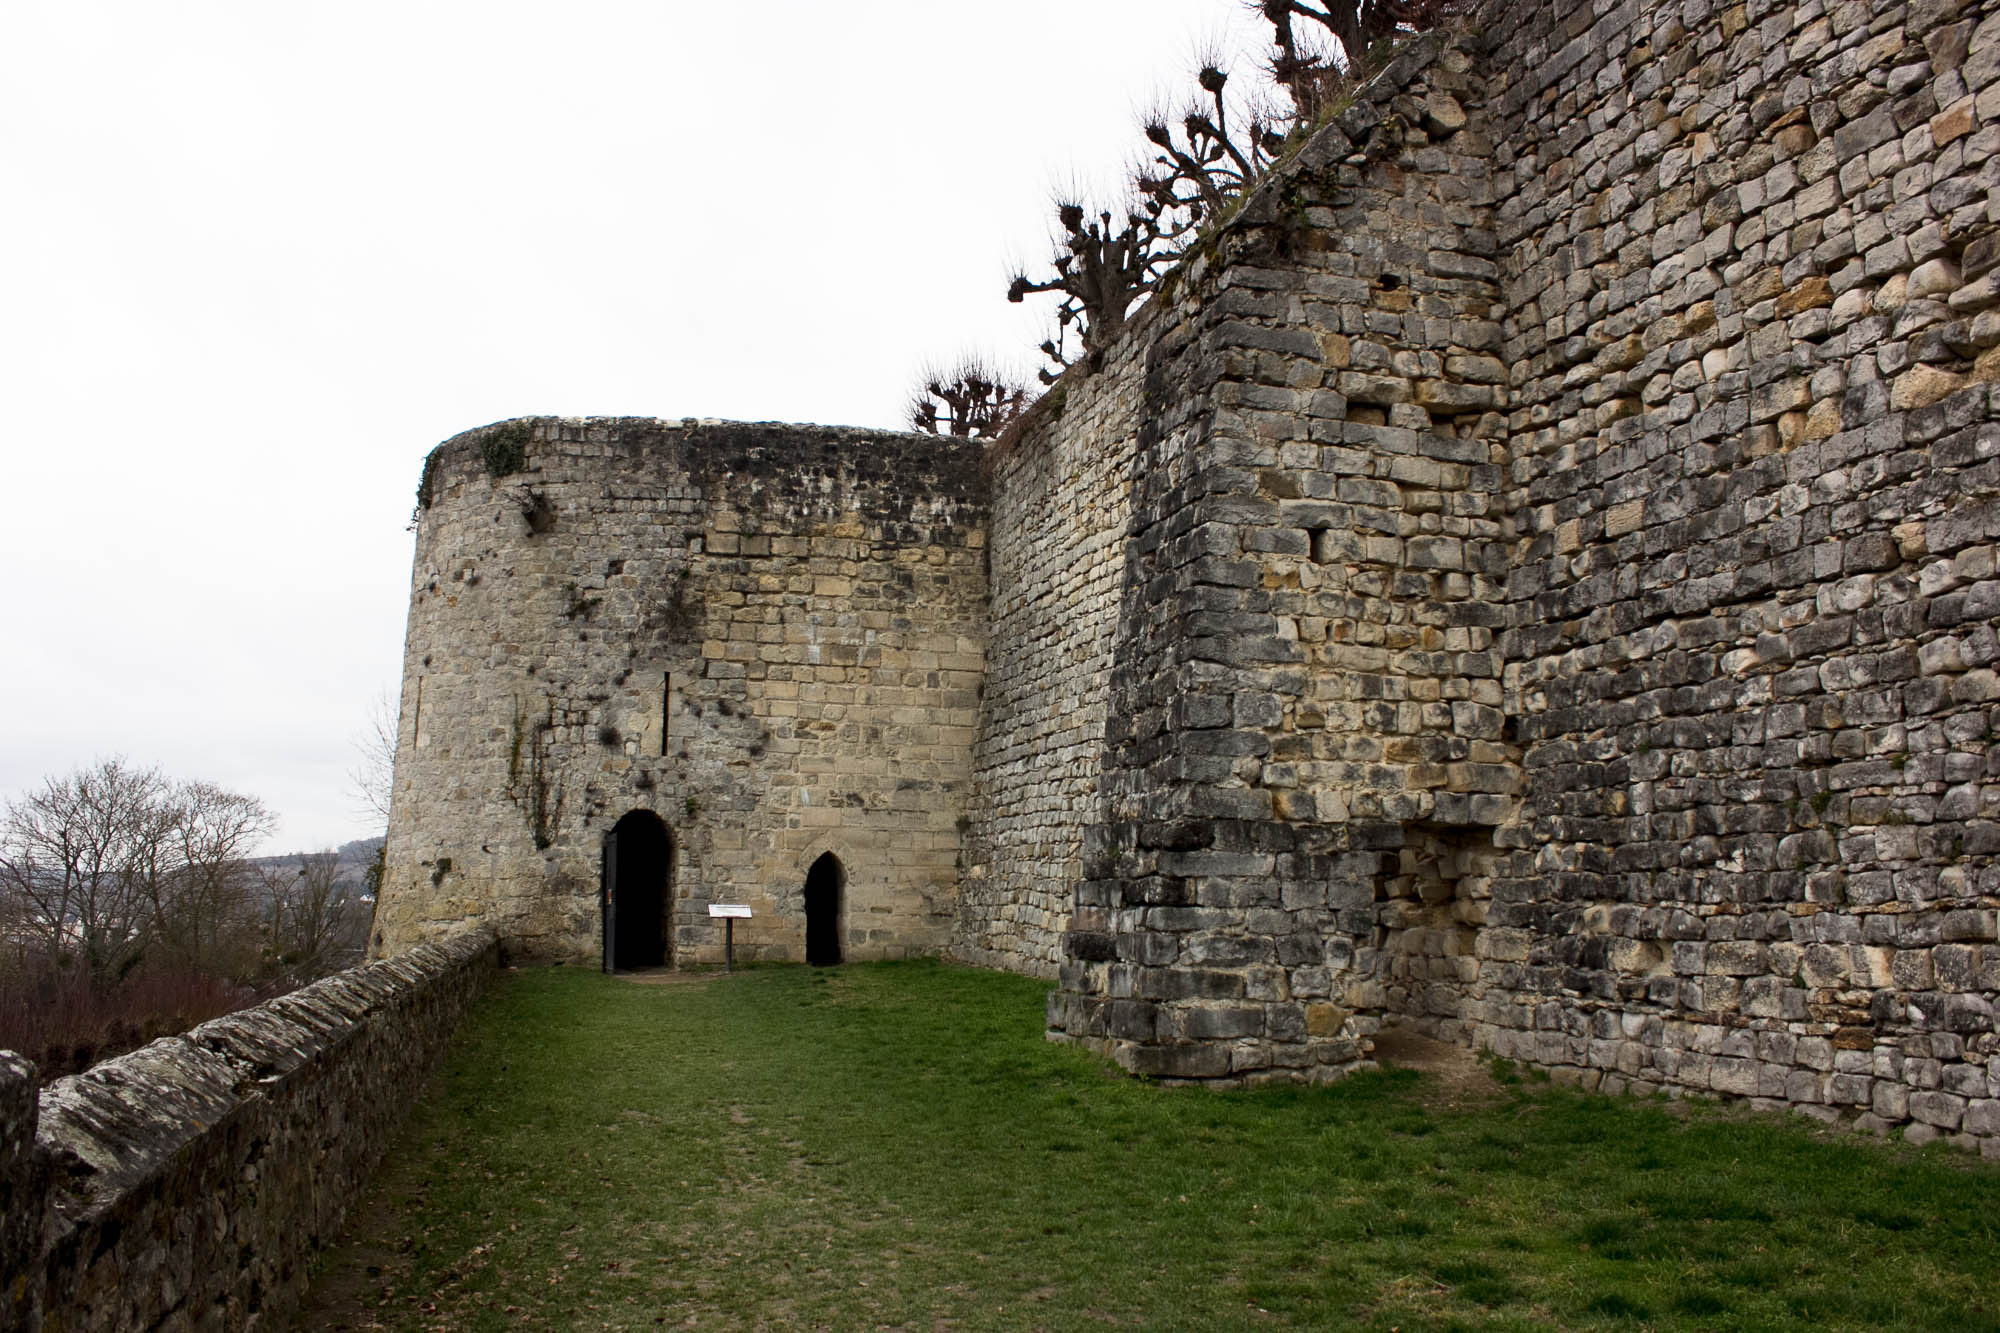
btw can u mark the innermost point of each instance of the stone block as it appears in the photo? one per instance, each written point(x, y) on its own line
point(1211, 1023)
point(1325, 1020)
point(1921, 385)
point(1941, 1109)
point(1190, 1060)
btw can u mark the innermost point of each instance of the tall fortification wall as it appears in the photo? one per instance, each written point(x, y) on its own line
point(1752, 316)
point(770, 639)
point(1305, 714)
point(1565, 620)
point(1529, 575)
point(1062, 486)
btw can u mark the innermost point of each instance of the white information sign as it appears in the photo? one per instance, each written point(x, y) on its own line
point(741, 910)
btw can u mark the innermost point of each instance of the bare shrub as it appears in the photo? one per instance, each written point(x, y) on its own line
point(62, 1020)
point(968, 398)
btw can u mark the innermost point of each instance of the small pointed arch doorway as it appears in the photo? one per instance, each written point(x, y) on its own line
point(826, 885)
point(637, 893)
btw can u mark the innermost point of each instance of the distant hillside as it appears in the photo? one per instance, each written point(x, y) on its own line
point(355, 858)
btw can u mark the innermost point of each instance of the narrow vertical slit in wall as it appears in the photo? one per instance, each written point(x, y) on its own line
point(666, 707)
point(417, 716)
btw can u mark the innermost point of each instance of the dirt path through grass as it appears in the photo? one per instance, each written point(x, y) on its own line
point(895, 1146)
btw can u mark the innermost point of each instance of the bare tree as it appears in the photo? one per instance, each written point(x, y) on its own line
point(1202, 161)
point(970, 398)
point(205, 907)
point(1204, 155)
point(373, 779)
point(313, 920)
point(102, 865)
point(81, 864)
point(1102, 271)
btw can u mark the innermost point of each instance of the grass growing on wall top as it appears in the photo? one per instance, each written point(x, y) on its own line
point(896, 1146)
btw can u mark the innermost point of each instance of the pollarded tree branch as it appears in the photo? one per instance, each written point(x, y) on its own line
point(1202, 160)
point(1102, 273)
point(970, 398)
point(1199, 169)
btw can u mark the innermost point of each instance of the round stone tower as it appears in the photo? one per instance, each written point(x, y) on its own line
point(653, 666)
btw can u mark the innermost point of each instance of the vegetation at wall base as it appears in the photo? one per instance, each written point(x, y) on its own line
point(895, 1145)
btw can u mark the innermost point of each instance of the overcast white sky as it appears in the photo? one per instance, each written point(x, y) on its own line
point(256, 259)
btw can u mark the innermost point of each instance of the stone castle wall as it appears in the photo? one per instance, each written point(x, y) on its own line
point(186, 1185)
point(770, 637)
point(1571, 632)
point(1062, 486)
point(1528, 576)
point(1752, 318)
point(1309, 680)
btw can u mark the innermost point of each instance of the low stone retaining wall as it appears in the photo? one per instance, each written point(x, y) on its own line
point(185, 1185)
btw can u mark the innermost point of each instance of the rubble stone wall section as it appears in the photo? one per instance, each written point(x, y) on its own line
point(23, 1196)
point(187, 1184)
point(770, 637)
point(1310, 679)
point(1564, 620)
point(1061, 487)
point(1752, 273)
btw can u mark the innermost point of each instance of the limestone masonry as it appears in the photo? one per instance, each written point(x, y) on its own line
point(1530, 577)
point(767, 640)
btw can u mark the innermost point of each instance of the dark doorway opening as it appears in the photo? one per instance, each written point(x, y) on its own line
point(824, 883)
point(637, 892)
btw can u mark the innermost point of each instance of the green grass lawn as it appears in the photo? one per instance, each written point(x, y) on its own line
point(895, 1146)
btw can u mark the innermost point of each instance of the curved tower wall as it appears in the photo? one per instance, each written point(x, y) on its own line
point(769, 636)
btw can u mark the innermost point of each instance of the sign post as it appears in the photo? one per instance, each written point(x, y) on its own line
point(729, 912)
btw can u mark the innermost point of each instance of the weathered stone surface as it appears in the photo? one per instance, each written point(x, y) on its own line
point(1061, 510)
point(23, 1196)
point(1531, 579)
point(1720, 674)
point(772, 638)
point(1920, 386)
point(1442, 113)
point(192, 1179)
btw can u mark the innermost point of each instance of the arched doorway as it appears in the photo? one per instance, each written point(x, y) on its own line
point(637, 892)
point(825, 883)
